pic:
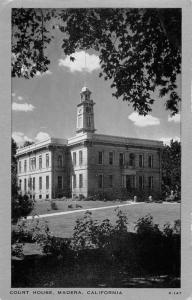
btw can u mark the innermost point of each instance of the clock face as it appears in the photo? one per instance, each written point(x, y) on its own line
point(80, 111)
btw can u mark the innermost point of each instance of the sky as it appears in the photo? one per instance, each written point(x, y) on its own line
point(46, 104)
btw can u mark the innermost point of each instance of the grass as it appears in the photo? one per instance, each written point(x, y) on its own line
point(44, 206)
point(62, 226)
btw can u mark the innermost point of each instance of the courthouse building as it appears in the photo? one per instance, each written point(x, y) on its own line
point(89, 163)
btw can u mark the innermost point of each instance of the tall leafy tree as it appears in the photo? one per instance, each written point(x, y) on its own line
point(171, 168)
point(139, 49)
point(13, 168)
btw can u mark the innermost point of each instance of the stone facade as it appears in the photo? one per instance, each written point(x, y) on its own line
point(90, 164)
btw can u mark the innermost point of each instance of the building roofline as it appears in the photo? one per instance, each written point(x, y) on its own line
point(97, 135)
point(113, 139)
point(41, 144)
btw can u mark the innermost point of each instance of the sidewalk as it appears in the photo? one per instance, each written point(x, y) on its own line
point(79, 210)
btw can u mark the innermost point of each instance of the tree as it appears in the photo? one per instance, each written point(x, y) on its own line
point(13, 168)
point(27, 143)
point(21, 206)
point(139, 49)
point(171, 168)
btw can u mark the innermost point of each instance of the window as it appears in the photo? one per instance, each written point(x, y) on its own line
point(40, 183)
point(110, 158)
point(25, 165)
point(150, 161)
point(111, 180)
point(30, 183)
point(80, 180)
point(150, 182)
point(19, 166)
point(122, 181)
point(129, 182)
point(47, 160)
point(74, 158)
point(80, 157)
point(141, 182)
point(100, 181)
point(34, 183)
point(141, 161)
point(33, 163)
point(74, 181)
point(47, 182)
point(100, 157)
point(59, 181)
point(40, 162)
point(59, 161)
point(131, 159)
point(30, 163)
point(25, 184)
point(121, 159)
point(88, 121)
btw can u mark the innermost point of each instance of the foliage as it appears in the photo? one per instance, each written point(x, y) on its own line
point(29, 40)
point(17, 250)
point(171, 168)
point(27, 143)
point(89, 234)
point(146, 227)
point(13, 168)
point(84, 232)
point(34, 230)
point(57, 247)
point(139, 49)
point(21, 206)
point(54, 205)
point(147, 251)
point(156, 249)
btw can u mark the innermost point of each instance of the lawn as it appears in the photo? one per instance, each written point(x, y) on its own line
point(62, 226)
point(44, 206)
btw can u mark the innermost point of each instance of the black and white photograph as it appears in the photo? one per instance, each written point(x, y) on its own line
point(97, 135)
point(96, 151)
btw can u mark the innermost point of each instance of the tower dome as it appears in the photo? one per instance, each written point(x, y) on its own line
point(85, 94)
point(85, 89)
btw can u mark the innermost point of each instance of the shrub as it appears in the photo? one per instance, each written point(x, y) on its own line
point(81, 197)
point(84, 232)
point(121, 222)
point(89, 234)
point(78, 206)
point(34, 230)
point(17, 250)
point(54, 205)
point(58, 247)
point(158, 250)
point(146, 227)
point(21, 206)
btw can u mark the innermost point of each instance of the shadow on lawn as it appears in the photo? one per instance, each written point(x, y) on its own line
point(47, 271)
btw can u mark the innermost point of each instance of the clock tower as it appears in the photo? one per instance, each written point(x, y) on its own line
point(85, 113)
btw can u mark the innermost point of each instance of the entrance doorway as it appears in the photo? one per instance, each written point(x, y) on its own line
point(130, 182)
